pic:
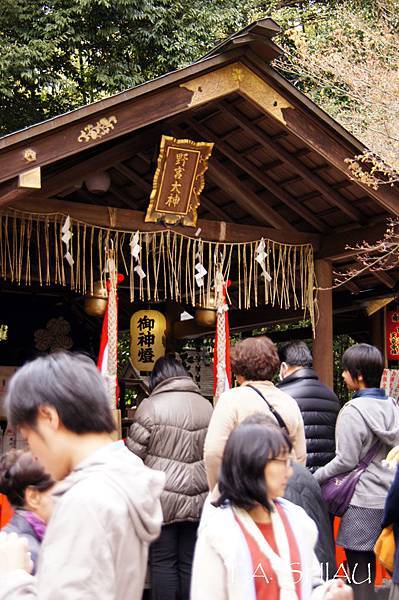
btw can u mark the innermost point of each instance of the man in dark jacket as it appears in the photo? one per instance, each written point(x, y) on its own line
point(318, 404)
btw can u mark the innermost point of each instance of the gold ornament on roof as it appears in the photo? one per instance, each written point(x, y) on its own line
point(29, 155)
point(94, 132)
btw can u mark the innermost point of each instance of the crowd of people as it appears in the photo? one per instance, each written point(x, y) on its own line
point(222, 503)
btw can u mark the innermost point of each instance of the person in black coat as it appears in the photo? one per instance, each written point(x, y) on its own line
point(303, 489)
point(318, 403)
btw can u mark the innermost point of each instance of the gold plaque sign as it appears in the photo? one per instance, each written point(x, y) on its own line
point(147, 338)
point(178, 181)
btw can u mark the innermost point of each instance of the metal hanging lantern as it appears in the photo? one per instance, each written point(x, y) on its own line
point(205, 315)
point(98, 182)
point(96, 303)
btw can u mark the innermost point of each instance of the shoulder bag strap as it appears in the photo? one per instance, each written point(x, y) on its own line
point(277, 416)
point(371, 454)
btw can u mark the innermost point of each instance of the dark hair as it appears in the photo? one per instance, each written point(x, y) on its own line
point(18, 471)
point(248, 449)
point(165, 368)
point(70, 383)
point(364, 360)
point(260, 418)
point(296, 354)
point(255, 358)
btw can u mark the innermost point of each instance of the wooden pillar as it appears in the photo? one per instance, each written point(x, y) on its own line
point(323, 342)
point(377, 330)
point(173, 310)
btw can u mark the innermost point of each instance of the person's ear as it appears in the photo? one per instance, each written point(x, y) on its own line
point(32, 498)
point(283, 370)
point(49, 416)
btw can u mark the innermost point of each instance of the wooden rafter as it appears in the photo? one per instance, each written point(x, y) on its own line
point(386, 279)
point(245, 197)
point(123, 197)
point(133, 177)
point(214, 209)
point(320, 132)
point(259, 176)
point(334, 247)
point(261, 136)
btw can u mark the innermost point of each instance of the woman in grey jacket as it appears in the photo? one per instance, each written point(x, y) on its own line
point(168, 433)
point(369, 420)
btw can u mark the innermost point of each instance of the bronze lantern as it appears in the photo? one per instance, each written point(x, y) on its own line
point(96, 303)
point(205, 314)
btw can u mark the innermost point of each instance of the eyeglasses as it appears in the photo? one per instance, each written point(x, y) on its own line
point(288, 462)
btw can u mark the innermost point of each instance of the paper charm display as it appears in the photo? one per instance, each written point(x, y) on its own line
point(178, 181)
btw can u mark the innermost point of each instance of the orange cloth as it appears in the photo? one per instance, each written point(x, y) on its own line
point(6, 512)
point(266, 584)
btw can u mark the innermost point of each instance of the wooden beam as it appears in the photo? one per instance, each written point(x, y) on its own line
point(322, 141)
point(260, 176)
point(57, 182)
point(323, 342)
point(240, 320)
point(214, 209)
point(132, 176)
point(131, 220)
point(129, 116)
point(384, 278)
point(261, 136)
point(333, 247)
point(352, 287)
point(245, 197)
point(123, 198)
point(10, 192)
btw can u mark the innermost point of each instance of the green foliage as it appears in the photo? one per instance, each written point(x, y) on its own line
point(58, 55)
point(123, 360)
point(61, 54)
point(341, 343)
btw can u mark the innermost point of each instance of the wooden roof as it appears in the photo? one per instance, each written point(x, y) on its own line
point(277, 168)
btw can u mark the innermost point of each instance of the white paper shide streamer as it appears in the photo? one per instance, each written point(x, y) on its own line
point(135, 250)
point(261, 259)
point(66, 238)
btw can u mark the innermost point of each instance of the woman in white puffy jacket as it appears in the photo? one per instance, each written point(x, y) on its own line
point(252, 544)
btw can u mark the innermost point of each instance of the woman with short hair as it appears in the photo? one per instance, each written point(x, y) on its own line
point(254, 362)
point(168, 433)
point(28, 489)
point(255, 545)
point(369, 422)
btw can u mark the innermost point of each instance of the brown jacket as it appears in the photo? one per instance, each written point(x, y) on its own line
point(168, 433)
point(241, 402)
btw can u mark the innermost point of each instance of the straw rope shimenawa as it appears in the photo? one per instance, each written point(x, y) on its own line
point(31, 249)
